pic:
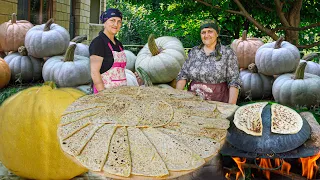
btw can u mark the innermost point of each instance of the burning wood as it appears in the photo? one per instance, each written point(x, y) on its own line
point(309, 166)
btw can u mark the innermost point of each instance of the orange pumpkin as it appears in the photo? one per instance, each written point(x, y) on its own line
point(12, 33)
point(5, 73)
point(245, 49)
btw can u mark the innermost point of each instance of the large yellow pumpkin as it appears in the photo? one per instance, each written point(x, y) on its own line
point(29, 145)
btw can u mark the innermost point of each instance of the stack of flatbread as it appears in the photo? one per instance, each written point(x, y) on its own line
point(284, 120)
point(143, 131)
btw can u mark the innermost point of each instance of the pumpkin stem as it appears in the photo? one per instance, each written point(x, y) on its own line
point(253, 68)
point(79, 39)
point(152, 45)
point(244, 35)
point(144, 76)
point(299, 74)
point(309, 57)
point(278, 42)
point(23, 51)
point(13, 18)
point(51, 84)
point(48, 24)
point(69, 56)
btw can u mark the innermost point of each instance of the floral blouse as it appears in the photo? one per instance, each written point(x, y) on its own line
point(215, 68)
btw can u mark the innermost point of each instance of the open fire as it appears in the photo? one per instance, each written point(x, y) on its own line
point(278, 166)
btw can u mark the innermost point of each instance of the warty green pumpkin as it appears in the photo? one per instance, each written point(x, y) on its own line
point(255, 85)
point(47, 40)
point(24, 68)
point(161, 58)
point(69, 70)
point(245, 49)
point(298, 89)
point(29, 145)
point(277, 58)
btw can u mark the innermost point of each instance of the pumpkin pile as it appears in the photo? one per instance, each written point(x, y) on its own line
point(28, 56)
point(29, 146)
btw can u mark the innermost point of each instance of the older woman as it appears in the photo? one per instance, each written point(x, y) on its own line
point(107, 58)
point(211, 67)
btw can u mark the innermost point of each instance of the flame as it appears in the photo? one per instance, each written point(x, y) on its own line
point(309, 166)
point(285, 166)
point(227, 176)
point(265, 163)
point(239, 164)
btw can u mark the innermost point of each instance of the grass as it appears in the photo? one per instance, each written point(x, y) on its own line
point(13, 88)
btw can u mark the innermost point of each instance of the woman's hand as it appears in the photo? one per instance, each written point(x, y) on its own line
point(140, 81)
point(181, 84)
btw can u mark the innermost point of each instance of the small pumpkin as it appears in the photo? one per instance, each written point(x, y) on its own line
point(47, 40)
point(81, 49)
point(277, 58)
point(29, 145)
point(24, 68)
point(161, 58)
point(69, 70)
point(299, 89)
point(255, 85)
point(245, 49)
point(131, 60)
point(5, 73)
point(131, 78)
point(12, 33)
point(312, 67)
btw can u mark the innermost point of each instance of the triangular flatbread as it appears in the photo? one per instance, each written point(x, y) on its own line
point(94, 154)
point(203, 146)
point(248, 118)
point(119, 160)
point(176, 155)
point(144, 157)
point(285, 120)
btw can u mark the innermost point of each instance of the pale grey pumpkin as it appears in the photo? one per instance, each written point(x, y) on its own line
point(69, 70)
point(255, 85)
point(47, 40)
point(161, 58)
point(24, 68)
point(131, 60)
point(297, 90)
point(131, 78)
point(81, 49)
point(312, 67)
point(277, 58)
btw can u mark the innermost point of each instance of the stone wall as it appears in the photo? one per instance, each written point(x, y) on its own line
point(82, 17)
point(7, 7)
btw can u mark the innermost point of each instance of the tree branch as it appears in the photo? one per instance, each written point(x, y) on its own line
point(282, 18)
point(256, 23)
point(309, 45)
point(263, 7)
point(218, 7)
point(296, 28)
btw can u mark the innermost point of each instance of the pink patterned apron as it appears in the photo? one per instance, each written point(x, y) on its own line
point(116, 75)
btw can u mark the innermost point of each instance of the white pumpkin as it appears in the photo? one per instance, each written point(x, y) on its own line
point(81, 49)
point(68, 71)
point(23, 67)
point(131, 78)
point(47, 40)
point(162, 58)
point(131, 60)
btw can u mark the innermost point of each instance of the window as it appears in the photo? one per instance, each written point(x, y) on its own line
point(35, 11)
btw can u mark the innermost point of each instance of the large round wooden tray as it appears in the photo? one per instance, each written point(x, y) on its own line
point(172, 175)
